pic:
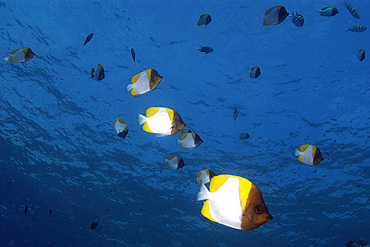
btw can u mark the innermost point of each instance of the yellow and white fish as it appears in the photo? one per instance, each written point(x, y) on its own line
point(328, 11)
point(234, 202)
point(174, 162)
point(161, 120)
point(309, 154)
point(361, 55)
point(255, 72)
point(189, 140)
point(275, 15)
point(204, 19)
point(205, 176)
point(120, 127)
point(20, 55)
point(144, 82)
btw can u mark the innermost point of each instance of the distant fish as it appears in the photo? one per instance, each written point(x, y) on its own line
point(352, 10)
point(88, 38)
point(297, 19)
point(255, 72)
point(174, 162)
point(94, 225)
point(329, 11)
point(244, 136)
point(275, 15)
point(361, 55)
point(205, 49)
point(235, 114)
point(189, 140)
point(120, 127)
point(51, 208)
point(234, 202)
point(309, 154)
point(26, 209)
point(133, 54)
point(161, 120)
point(205, 176)
point(204, 19)
point(20, 55)
point(357, 29)
point(144, 82)
point(99, 73)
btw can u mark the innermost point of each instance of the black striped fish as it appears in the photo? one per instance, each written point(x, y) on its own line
point(297, 19)
point(352, 10)
point(357, 29)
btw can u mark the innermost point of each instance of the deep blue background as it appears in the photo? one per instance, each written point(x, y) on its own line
point(58, 146)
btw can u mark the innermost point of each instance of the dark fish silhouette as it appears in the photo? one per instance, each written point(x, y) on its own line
point(205, 49)
point(51, 209)
point(26, 209)
point(88, 38)
point(235, 114)
point(133, 54)
point(99, 73)
point(94, 225)
point(204, 19)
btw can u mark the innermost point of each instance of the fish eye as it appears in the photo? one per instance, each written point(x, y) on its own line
point(258, 209)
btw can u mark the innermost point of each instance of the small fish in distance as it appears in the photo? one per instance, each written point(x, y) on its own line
point(205, 49)
point(88, 38)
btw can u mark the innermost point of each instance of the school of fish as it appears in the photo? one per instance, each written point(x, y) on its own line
point(229, 200)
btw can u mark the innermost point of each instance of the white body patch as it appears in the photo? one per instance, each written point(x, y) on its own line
point(225, 206)
point(119, 127)
point(273, 17)
point(173, 163)
point(19, 56)
point(203, 178)
point(188, 141)
point(160, 122)
point(307, 156)
point(142, 85)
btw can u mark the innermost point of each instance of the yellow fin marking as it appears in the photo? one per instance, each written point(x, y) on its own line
point(304, 147)
point(134, 79)
point(152, 111)
point(146, 128)
point(205, 211)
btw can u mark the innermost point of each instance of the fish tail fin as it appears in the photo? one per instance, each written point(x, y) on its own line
point(7, 57)
point(178, 141)
point(203, 193)
point(141, 119)
point(198, 48)
point(297, 152)
point(92, 72)
point(129, 87)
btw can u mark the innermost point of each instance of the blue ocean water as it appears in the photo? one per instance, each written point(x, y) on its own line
point(59, 148)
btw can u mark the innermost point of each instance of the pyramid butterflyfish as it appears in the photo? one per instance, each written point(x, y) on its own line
point(275, 15)
point(309, 154)
point(329, 11)
point(255, 72)
point(99, 73)
point(205, 176)
point(174, 162)
point(161, 120)
point(361, 55)
point(144, 82)
point(204, 19)
point(120, 127)
point(234, 202)
point(189, 140)
point(20, 55)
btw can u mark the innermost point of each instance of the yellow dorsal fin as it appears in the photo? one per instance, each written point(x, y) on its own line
point(146, 128)
point(304, 147)
point(217, 182)
point(25, 49)
point(122, 121)
point(182, 136)
point(171, 157)
point(134, 79)
point(152, 111)
point(13, 52)
point(114, 122)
